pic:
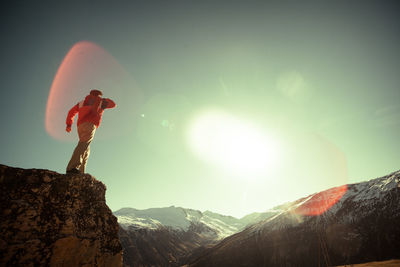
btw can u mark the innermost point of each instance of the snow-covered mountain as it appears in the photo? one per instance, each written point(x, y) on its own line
point(177, 218)
point(343, 225)
point(347, 224)
point(168, 236)
point(180, 219)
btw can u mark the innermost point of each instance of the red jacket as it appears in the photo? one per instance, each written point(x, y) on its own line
point(90, 110)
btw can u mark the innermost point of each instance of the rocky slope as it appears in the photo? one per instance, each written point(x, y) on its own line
point(162, 246)
point(345, 225)
point(51, 219)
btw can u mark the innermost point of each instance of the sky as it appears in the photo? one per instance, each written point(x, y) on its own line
point(228, 106)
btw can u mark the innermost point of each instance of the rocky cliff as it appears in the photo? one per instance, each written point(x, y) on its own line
point(52, 219)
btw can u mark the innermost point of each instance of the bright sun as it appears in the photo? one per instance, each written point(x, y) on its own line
point(231, 143)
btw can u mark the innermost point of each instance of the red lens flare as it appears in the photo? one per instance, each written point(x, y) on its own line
point(323, 165)
point(321, 202)
point(88, 66)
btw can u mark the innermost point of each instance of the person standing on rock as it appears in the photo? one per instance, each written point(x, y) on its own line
point(90, 111)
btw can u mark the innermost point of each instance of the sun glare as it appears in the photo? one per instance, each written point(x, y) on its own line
point(231, 143)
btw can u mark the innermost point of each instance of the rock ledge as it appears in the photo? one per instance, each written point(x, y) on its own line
point(52, 219)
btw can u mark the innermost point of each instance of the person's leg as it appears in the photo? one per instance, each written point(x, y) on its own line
point(81, 153)
point(86, 133)
point(76, 158)
point(84, 159)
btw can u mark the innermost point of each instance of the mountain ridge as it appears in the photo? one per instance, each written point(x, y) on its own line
point(362, 225)
point(153, 218)
point(315, 211)
point(170, 236)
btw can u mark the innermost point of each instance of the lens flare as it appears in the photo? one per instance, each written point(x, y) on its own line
point(87, 66)
point(319, 203)
point(320, 164)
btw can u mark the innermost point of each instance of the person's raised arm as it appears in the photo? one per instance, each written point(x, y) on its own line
point(70, 117)
point(108, 103)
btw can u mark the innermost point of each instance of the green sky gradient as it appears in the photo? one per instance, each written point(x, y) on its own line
point(323, 79)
